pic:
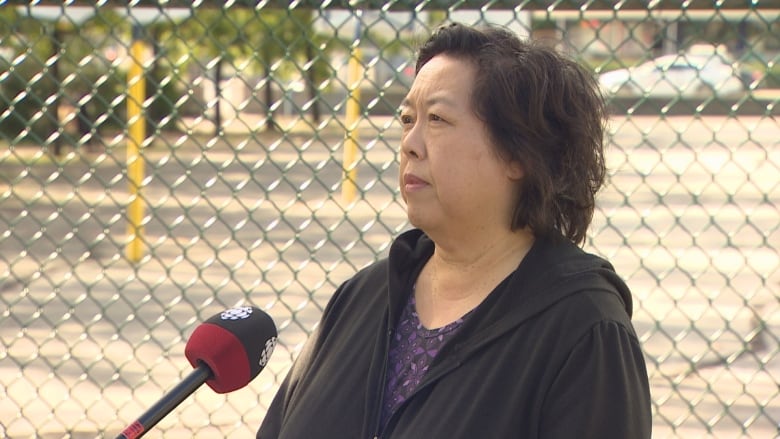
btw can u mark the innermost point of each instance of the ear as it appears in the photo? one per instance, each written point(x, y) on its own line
point(515, 170)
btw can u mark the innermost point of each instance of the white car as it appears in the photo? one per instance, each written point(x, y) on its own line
point(668, 76)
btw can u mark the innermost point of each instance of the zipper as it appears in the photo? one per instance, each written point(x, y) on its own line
point(381, 394)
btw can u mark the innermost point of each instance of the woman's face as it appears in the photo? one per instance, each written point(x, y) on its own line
point(451, 178)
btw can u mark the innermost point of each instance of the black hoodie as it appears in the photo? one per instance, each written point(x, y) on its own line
point(550, 353)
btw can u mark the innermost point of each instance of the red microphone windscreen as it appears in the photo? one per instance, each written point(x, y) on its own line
point(235, 344)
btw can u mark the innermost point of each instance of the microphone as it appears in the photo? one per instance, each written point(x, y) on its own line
point(227, 351)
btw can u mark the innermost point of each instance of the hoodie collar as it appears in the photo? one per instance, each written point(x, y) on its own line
point(553, 269)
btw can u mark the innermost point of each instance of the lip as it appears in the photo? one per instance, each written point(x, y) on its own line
point(413, 183)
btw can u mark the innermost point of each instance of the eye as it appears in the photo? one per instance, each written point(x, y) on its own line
point(406, 119)
point(435, 118)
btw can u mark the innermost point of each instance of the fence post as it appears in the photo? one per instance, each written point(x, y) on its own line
point(136, 135)
point(351, 120)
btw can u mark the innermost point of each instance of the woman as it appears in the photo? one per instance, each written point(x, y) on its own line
point(487, 320)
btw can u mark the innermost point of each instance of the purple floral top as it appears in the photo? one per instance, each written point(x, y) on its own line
point(412, 350)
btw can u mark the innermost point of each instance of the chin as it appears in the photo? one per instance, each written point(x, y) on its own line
point(414, 220)
point(419, 221)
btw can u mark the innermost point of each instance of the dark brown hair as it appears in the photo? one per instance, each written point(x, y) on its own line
point(542, 110)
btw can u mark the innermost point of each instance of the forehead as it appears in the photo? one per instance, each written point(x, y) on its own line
point(444, 79)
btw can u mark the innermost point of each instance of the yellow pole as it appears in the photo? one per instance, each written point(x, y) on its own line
point(137, 133)
point(349, 182)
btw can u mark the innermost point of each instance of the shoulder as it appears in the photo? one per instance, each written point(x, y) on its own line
point(556, 256)
point(563, 269)
point(367, 282)
point(593, 306)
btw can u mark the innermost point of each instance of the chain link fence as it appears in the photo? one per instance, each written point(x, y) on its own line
point(158, 165)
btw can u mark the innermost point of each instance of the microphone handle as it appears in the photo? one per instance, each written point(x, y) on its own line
point(168, 402)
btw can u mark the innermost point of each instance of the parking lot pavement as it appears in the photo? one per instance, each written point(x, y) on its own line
point(91, 340)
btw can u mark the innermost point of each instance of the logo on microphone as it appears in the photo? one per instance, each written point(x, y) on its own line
point(236, 313)
point(265, 356)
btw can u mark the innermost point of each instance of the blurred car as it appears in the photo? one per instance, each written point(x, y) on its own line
point(668, 76)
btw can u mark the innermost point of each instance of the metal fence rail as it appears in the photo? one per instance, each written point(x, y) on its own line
point(158, 165)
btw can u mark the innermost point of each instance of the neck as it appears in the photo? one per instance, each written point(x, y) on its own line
point(469, 261)
point(458, 277)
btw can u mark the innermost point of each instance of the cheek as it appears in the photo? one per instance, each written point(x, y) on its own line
point(476, 172)
point(401, 169)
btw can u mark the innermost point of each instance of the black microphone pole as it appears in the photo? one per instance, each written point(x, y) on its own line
point(168, 402)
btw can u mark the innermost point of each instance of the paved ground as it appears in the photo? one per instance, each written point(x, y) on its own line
point(90, 340)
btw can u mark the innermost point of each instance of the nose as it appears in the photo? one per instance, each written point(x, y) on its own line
point(413, 143)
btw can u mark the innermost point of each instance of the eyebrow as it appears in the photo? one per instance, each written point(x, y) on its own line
point(433, 100)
